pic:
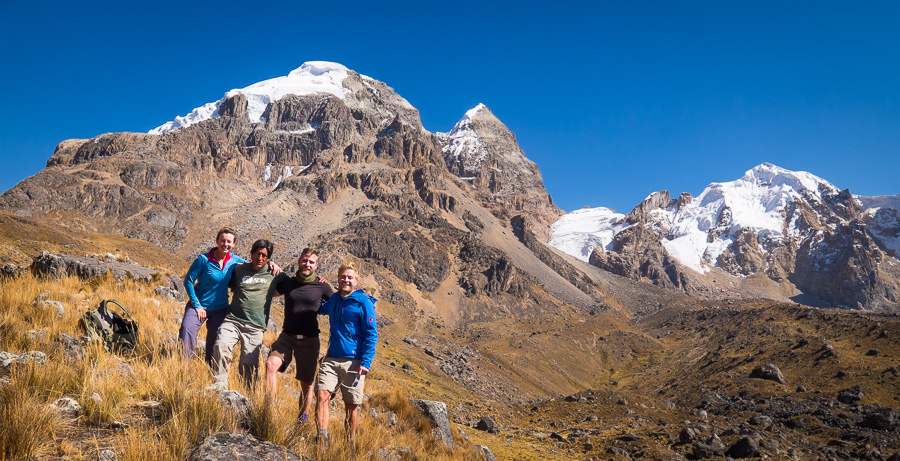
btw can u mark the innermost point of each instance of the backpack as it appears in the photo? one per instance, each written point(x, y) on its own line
point(117, 333)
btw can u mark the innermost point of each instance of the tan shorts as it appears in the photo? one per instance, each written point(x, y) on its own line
point(335, 373)
point(305, 351)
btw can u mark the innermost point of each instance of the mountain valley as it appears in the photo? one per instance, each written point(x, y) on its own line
point(549, 335)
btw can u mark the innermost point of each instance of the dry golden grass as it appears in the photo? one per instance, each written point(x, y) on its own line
point(29, 425)
point(151, 404)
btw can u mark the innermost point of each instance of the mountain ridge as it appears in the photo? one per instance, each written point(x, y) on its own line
point(632, 354)
point(772, 221)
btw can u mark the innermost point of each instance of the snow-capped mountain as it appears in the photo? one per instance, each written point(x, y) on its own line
point(484, 153)
point(771, 220)
point(463, 147)
point(311, 77)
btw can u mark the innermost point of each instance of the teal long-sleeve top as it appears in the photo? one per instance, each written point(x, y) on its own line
point(206, 283)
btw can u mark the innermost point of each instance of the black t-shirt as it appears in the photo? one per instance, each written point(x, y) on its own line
point(301, 304)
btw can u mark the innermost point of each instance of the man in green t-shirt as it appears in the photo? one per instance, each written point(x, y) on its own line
point(252, 286)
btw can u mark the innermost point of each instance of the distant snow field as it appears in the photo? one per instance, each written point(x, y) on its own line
point(697, 233)
point(579, 232)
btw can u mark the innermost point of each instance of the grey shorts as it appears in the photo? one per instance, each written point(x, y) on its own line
point(336, 373)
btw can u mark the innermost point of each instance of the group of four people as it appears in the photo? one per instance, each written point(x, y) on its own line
point(351, 314)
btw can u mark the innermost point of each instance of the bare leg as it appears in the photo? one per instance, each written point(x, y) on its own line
point(322, 409)
point(306, 398)
point(322, 415)
point(352, 418)
point(273, 363)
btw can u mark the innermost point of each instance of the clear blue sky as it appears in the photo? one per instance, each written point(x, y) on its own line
point(612, 100)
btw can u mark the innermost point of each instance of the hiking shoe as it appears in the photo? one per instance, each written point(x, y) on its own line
point(301, 420)
point(323, 441)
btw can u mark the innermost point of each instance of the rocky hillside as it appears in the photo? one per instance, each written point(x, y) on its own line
point(773, 233)
point(347, 167)
point(543, 355)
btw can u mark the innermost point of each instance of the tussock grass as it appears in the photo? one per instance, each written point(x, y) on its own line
point(159, 401)
point(29, 425)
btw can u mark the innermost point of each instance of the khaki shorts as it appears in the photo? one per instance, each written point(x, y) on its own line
point(334, 372)
point(305, 351)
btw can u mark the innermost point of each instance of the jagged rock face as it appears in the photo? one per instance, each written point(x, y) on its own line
point(354, 174)
point(483, 151)
point(847, 267)
point(642, 212)
point(422, 248)
point(788, 226)
point(743, 256)
point(638, 254)
point(160, 187)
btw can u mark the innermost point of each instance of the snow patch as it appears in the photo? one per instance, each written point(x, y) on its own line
point(579, 232)
point(311, 77)
point(463, 144)
point(697, 233)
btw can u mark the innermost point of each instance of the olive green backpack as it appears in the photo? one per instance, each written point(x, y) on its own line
point(118, 333)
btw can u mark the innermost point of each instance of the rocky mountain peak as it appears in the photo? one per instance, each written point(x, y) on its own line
point(483, 152)
point(315, 77)
point(659, 200)
point(791, 226)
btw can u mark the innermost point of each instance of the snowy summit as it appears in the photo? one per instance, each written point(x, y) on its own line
point(767, 200)
point(463, 143)
point(311, 77)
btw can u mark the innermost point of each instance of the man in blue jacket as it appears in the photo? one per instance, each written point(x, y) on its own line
point(351, 316)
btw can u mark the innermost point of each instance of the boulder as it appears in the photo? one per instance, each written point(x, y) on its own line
point(51, 265)
point(687, 435)
point(616, 451)
point(7, 359)
point(223, 446)
point(34, 336)
point(234, 402)
point(745, 447)
point(713, 446)
point(437, 413)
point(168, 292)
point(386, 455)
point(881, 419)
point(68, 407)
point(487, 424)
point(12, 271)
point(768, 371)
point(486, 452)
point(761, 420)
point(72, 346)
point(850, 395)
point(56, 307)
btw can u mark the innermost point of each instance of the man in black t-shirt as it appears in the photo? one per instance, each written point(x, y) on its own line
point(299, 338)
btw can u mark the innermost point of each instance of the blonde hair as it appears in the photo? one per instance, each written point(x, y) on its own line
point(348, 265)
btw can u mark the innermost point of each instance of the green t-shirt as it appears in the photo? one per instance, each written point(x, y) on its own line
point(251, 295)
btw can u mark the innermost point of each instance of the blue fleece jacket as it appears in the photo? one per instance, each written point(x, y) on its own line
point(353, 326)
point(211, 290)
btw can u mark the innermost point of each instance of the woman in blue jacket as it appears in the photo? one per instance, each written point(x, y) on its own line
point(206, 284)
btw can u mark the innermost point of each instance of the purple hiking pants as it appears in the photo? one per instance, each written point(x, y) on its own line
point(190, 327)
